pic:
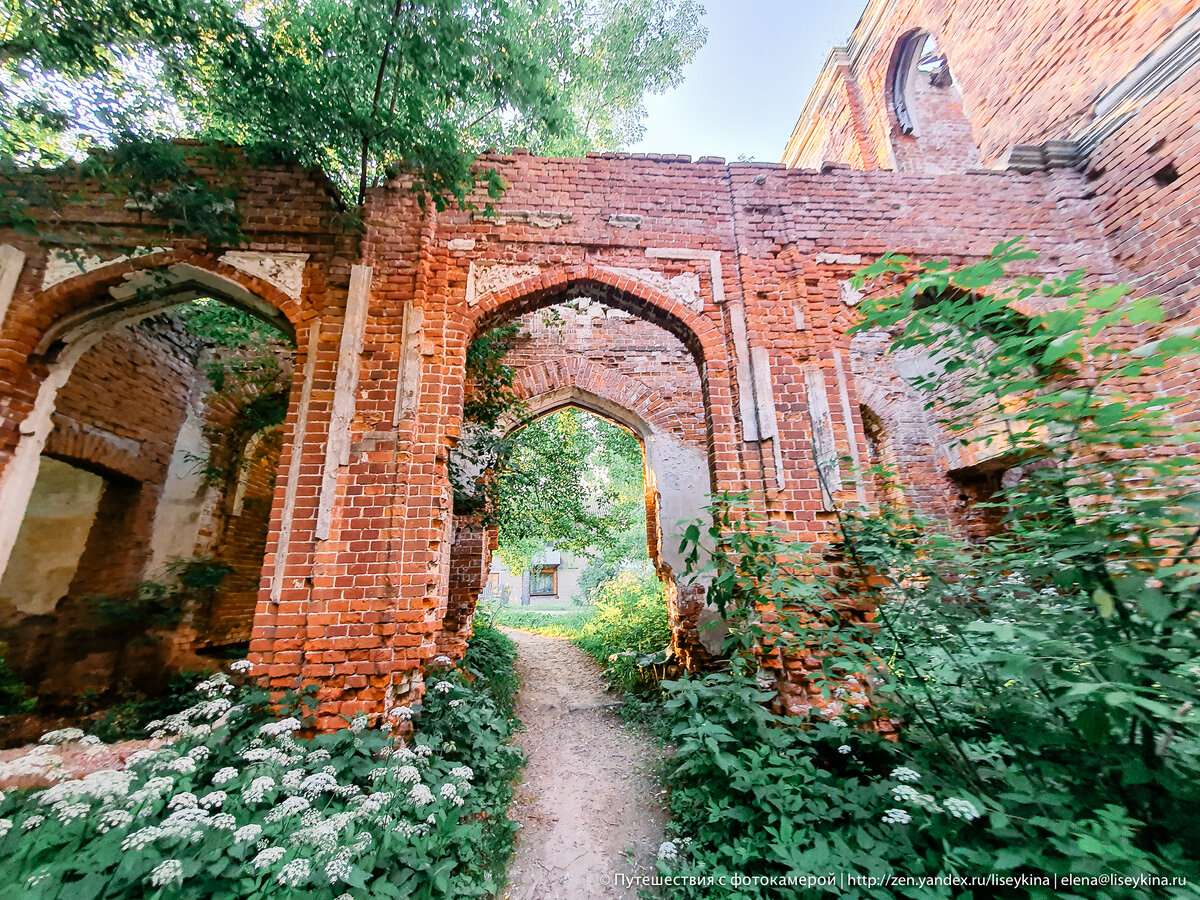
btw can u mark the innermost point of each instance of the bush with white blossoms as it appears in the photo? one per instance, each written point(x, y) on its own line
point(240, 804)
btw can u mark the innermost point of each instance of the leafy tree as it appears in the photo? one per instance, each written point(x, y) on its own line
point(572, 480)
point(358, 87)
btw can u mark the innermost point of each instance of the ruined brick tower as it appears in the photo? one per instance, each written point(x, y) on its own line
point(707, 310)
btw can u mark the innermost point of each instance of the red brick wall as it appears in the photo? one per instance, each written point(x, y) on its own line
point(764, 247)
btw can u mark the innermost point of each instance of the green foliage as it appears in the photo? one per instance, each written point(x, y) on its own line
point(553, 624)
point(357, 88)
point(14, 693)
point(1043, 679)
point(568, 479)
point(489, 381)
point(134, 710)
point(629, 633)
point(240, 805)
point(191, 586)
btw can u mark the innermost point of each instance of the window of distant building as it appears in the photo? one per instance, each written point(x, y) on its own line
point(544, 581)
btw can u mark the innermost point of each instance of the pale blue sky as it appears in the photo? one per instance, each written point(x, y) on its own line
point(742, 93)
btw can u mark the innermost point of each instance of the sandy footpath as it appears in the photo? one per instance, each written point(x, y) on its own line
point(589, 806)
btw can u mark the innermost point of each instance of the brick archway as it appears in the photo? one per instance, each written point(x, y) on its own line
point(698, 333)
point(56, 326)
point(676, 478)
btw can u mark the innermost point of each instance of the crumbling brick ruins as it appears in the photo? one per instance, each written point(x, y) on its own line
point(706, 308)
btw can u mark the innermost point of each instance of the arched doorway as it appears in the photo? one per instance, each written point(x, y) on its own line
point(153, 429)
point(626, 359)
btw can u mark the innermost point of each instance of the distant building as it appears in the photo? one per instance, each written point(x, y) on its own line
point(552, 580)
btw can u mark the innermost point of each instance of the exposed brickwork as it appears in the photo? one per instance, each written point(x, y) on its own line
point(734, 279)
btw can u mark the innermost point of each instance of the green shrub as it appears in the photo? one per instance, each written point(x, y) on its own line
point(239, 805)
point(553, 624)
point(128, 717)
point(629, 632)
point(14, 694)
point(1043, 679)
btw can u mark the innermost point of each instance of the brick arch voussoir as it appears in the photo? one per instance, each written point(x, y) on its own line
point(553, 376)
point(42, 310)
point(699, 334)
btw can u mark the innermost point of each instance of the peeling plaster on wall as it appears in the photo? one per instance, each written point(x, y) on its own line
point(764, 396)
point(294, 460)
point(12, 261)
point(737, 325)
point(485, 277)
point(408, 381)
point(284, 270)
point(684, 288)
point(64, 264)
point(181, 506)
point(821, 423)
point(337, 452)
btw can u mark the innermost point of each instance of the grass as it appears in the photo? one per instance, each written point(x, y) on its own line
point(566, 624)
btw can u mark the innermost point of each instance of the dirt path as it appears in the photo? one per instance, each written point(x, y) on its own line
point(588, 797)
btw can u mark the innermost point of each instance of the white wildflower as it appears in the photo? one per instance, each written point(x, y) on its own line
point(904, 773)
point(223, 822)
point(265, 754)
point(896, 817)
point(294, 873)
point(443, 687)
point(32, 822)
point(423, 751)
point(283, 726)
point(316, 756)
point(62, 736)
point(69, 812)
point(138, 757)
point(200, 753)
point(214, 799)
point(844, 749)
point(960, 809)
point(292, 806)
point(443, 660)
point(185, 765)
point(318, 783)
point(463, 772)
point(247, 834)
point(228, 773)
point(906, 793)
point(420, 795)
point(241, 666)
point(268, 857)
point(455, 704)
point(668, 850)
point(5, 826)
point(182, 801)
point(339, 868)
point(291, 779)
point(258, 788)
point(166, 872)
point(143, 837)
point(114, 818)
point(359, 723)
point(408, 775)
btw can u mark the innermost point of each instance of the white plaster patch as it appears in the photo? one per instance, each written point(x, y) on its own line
point(848, 294)
point(484, 278)
point(624, 220)
point(841, 259)
point(284, 270)
point(64, 264)
point(462, 244)
point(539, 218)
point(12, 261)
point(685, 288)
